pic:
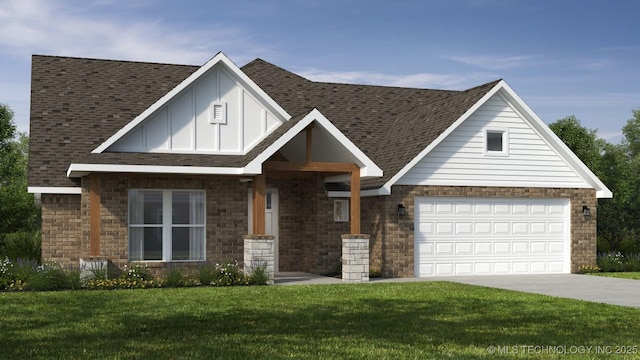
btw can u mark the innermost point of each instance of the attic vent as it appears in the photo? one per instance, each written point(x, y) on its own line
point(218, 112)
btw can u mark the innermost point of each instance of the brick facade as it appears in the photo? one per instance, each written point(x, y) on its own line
point(309, 239)
point(392, 238)
point(61, 228)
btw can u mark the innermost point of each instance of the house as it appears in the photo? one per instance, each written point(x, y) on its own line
point(159, 163)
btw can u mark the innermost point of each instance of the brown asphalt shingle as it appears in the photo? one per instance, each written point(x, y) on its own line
point(76, 104)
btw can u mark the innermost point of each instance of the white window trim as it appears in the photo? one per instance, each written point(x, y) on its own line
point(167, 225)
point(344, 205)
point(505, 141)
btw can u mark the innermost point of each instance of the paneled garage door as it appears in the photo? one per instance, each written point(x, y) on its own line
point(488, 236)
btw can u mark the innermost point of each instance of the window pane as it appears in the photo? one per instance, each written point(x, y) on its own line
point(145, 207)
point(145, 243)
point(187, 243)
point(188, 207)
point(153, 243)
point(494, 141)
point(268, 201)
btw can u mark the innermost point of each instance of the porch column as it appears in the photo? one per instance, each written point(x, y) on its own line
point(259, 250)
point(94, 215)
point(259, 185)
point(355, 258)
point(355, 201)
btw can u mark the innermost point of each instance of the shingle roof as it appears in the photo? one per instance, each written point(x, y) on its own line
point(391, 125)
point(76, 104)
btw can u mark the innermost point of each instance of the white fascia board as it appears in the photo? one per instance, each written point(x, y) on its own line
point(219, 58)
point(557, 144)
point(387, 186)
point(367, 167)
point(54, 190)
point(78, 170)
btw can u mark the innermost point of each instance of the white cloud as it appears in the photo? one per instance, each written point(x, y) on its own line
point(75, 29)
point(492, 62)
point(421, 80)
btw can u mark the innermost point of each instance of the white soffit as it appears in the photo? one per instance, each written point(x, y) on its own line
point(219, 58)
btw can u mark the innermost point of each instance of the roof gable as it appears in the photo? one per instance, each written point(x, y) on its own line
point(216, 110)
point(536, 156)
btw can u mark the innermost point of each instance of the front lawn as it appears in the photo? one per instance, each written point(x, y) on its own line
point(425, 320)
point(624, 275)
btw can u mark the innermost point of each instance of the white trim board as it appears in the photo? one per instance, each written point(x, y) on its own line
point(54, 190)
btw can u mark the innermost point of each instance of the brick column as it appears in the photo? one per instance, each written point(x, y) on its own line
point(260, 250)
point(355, 258)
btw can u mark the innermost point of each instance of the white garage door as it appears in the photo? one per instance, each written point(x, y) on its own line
point(490, 236)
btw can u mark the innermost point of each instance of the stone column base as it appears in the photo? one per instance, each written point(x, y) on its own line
point(259, 250)
point(355, 258)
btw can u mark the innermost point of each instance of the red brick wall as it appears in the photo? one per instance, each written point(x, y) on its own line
point(392, 238)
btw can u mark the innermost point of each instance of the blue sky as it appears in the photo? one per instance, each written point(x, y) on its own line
point(562, 57)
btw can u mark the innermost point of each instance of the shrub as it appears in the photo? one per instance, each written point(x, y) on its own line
point(48, 276)
point(258, 274)
point(74, 278)
point(632, 262)
point(174, 277)
point(611, 262)
point(23, 245)
point(206, 273)
point(7, 276)
point(228, 274)
point(588, 269)
point(137, 272)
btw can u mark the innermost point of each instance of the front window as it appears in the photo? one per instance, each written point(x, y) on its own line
point(166, 225)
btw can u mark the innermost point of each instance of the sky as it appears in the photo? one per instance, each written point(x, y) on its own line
point(562, 57)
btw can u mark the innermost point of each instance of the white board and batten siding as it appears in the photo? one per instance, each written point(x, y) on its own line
point(491, 236)
point(460, 159)
point(187, 123)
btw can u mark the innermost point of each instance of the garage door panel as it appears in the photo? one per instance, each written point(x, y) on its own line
point(444, 228)
point(501, 248)
point(464, 248)
point(520, 247)
point(444, 248)
point(475, 236)
point(483, 228)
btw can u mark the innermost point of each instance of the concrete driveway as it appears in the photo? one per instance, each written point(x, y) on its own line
point(624, 292)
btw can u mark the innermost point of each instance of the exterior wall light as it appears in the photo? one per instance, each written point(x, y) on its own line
point(586, 211)
point(401, 210)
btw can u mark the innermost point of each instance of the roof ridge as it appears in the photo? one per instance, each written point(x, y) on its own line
point(110, 60)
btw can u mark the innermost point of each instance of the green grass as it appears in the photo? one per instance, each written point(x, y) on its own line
point(622, 275)
point(421, 320)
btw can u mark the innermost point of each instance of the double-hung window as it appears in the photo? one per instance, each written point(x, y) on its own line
point(166, 225)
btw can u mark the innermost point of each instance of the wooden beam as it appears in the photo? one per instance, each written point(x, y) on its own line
point(94, 215)
point(309, 144)
point(312, 166)
point(259, 186)
point(355, 202)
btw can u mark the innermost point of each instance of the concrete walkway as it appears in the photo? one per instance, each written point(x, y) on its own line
point(624, 292)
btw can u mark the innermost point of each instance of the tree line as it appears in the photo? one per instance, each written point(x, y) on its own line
point(618, 167)
point(19, 213)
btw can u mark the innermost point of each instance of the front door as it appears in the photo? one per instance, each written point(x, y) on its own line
point(271, 217)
